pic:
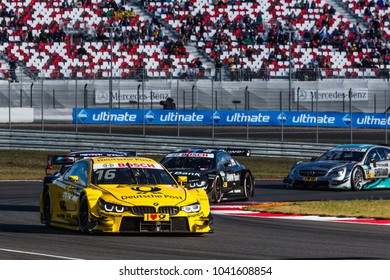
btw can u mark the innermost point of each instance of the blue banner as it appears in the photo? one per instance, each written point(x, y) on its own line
point(230, 118)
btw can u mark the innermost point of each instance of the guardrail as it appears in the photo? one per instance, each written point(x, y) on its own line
point(66, 141)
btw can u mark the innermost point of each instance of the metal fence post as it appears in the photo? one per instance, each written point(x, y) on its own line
point(350, 112)
point(54, 98)
point(9, 105)
point(85, 96)
point(31, 97)
point(42, 118)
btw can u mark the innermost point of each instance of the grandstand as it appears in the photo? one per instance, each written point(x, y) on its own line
point(195, 39)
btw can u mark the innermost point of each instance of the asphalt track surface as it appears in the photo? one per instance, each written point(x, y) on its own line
point(237, 238)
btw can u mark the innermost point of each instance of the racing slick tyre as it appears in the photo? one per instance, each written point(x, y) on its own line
point(248, 186)
point(217, 189)
point(357, 177)
point(46, 213)
point(83, 218)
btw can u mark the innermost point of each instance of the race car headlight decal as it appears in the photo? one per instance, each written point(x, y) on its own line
point(198, 184)
point(112, 207)
point(340, 172)
point(191, 208)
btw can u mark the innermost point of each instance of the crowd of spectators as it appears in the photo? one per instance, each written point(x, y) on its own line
point(248, 35)
point(118, 23)
point(232, 43)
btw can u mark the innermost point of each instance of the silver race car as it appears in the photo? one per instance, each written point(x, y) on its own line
point(348, 166)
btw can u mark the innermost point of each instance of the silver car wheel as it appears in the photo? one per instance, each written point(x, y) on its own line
point(357, 178)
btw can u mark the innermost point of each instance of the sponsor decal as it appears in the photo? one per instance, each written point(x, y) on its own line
point(175, 117)
point(346, 149)
point(146, 189)
point(200, 214)
point(232, 177)
point(216, 117)
point(82, 115)
point(187, 173)
point(150, 196)
point(311, 118)
point(235, 191)
point(347, 119)
point(156, 217)
point(307, 95)
point(201, 155)
point(381, 172)
point(282, 117)
point(244, 117)
point(150, 116)
point(127, 164)
point(372, 120)
point(127, 96)
point(150, 192)
point(114, 117)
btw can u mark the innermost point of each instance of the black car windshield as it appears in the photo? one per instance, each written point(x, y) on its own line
point(342, 155)
point(202, 163)
point(139, 176)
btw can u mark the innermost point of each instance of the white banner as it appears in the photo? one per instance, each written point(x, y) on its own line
point(18, 115)
point(132, 96)
point(324, 95)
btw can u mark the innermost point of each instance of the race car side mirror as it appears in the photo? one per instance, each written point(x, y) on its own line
point(181, 180)
point(73, 178)
point(373, 161)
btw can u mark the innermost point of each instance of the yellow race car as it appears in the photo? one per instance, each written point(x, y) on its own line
point(123, 194)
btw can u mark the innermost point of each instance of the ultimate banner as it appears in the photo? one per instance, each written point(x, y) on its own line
point(230, 118)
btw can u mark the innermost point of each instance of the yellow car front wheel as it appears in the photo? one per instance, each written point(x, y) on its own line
point(83, 217)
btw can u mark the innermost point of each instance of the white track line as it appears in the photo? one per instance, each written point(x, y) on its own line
point(37, 254)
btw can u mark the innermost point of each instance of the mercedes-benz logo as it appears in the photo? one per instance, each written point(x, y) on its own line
point(302, 95)
point(311, 172)
point(102, 96)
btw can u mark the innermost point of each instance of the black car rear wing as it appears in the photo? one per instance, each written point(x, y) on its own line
point(59, 160)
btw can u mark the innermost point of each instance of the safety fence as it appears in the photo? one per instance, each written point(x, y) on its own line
point(56, 141)
point(246, 108)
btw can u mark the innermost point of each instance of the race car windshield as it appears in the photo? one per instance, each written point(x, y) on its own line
point(342, 156)
point(139, 176)
point(189, 162)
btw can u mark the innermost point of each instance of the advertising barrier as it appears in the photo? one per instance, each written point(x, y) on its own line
point(230, 118)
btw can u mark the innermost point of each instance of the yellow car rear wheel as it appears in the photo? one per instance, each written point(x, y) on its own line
point(46, 211)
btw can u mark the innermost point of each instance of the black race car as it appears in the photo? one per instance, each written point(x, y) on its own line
point(65, 161)
point(214, 170)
